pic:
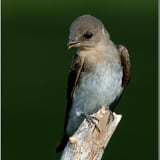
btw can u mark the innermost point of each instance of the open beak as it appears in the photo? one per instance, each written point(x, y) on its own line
point(73, 44)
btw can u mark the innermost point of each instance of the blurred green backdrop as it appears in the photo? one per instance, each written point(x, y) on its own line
point(35, 65)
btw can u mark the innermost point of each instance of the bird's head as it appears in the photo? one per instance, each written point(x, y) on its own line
point(86, 31)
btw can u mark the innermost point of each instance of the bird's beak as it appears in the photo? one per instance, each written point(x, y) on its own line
point(73, 44)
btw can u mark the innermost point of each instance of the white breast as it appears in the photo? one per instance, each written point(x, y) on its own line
point(98, 88)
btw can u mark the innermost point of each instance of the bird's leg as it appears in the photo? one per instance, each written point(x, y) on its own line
point(90, 119)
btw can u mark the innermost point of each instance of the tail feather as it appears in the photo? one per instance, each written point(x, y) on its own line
point(62, 144)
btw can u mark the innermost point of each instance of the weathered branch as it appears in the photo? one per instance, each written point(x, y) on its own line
point(88, 143)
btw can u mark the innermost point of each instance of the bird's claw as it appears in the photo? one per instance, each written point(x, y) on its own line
point(90, 119)
point(111, 116)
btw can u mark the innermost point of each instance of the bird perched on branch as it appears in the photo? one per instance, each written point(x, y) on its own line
point(99, 73)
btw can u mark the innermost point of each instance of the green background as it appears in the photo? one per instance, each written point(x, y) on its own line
point(35, 65)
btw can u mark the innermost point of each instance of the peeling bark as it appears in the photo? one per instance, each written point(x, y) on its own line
point(88, 143)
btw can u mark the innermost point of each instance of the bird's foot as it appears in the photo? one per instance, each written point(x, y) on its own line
point(111, 116)
point(90, 119)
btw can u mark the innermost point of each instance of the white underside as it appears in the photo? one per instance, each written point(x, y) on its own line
point(98, 88)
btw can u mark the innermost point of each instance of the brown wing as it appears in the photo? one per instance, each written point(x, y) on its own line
point(125, 61)
point(125, 64)
point(73, 79)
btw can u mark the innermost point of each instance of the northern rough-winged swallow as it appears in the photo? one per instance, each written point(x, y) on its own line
point(99, 73)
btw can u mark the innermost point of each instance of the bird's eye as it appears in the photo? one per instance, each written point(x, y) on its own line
point(88, 35)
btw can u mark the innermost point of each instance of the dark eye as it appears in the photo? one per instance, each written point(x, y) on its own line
point(88, 35)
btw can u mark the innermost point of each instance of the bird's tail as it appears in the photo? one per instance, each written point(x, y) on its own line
point(62, 144)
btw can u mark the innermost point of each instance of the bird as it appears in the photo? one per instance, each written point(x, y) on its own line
point(99, 73)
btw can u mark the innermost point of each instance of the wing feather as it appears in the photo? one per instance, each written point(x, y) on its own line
point(125, 61)
point(73, 80)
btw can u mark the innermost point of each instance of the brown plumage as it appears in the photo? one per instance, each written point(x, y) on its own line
point(84, 63)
